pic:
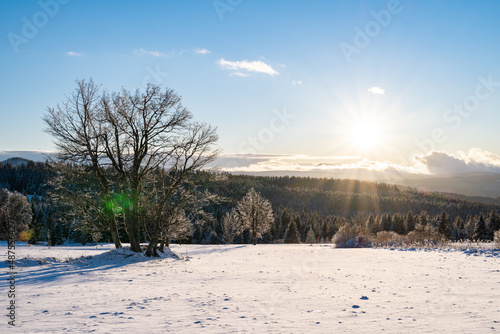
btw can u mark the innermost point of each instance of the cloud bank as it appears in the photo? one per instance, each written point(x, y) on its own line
point(433, 163)
point(262, 163)
point(474, 161)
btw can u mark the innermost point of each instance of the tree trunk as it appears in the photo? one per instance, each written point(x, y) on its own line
point(133, 228)
point(152, 250)
point(109, 215)
point(134, 235)
point(114, 232)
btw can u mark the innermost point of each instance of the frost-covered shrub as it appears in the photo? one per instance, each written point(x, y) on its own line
point(362, 242)
point(496, 239)
point(350, 236)
point(351, 243)
point(389, 238)
point(426, 236)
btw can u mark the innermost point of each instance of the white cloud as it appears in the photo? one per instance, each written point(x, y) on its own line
point(143, 52)
point(376, 91)
point(239, 74)
point(476, 160)
point(202, 51)
point(245, 65)
point(297, 83)
point(74, 54)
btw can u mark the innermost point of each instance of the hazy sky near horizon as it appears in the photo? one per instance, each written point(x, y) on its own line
point(373, 80)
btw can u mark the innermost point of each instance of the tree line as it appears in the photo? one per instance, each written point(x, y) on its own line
point(297, 206)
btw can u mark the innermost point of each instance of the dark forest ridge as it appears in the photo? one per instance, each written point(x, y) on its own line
point(469, 184)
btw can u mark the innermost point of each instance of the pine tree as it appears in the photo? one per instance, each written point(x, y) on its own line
point(311, 238)
point(386, 223)
point(409, 222)
point(292, 235)
point(423, 219)
point(480, 232)
point(493, 224)
point(444, 224)
point(458, 229)
point(398, 224)
point(371, 225)
point(469, 228)
point(284, 222)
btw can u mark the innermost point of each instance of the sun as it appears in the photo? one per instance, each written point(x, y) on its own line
point(365, 136)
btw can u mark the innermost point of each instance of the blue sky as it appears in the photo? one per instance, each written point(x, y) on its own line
point(363, 80)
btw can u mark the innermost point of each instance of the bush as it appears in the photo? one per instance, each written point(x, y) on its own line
point(425, 236)
point(350, 236)
point(496, 239)
point(389, 238)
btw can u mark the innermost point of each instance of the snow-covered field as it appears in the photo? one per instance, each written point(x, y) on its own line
point(245, 288)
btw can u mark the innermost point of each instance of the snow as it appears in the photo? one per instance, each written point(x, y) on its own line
point(245, 288)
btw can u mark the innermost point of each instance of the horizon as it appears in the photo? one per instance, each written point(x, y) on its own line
point(325, 87)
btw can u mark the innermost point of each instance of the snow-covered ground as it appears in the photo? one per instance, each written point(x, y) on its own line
point(245, 288)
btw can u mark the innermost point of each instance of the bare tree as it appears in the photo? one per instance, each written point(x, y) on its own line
point(255, 213)
point(132, 134)
point(76, 126)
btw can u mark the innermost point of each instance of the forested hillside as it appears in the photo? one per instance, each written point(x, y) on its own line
point(29, 178)
point(324, 205)
point(346, 198)
point(305, 209)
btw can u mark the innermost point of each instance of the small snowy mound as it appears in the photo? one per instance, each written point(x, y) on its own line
point(120, 256)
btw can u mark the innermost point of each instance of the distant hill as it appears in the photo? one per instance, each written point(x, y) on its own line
point(347, 198)
point(16, 161)
point(471, 184)
point(486, 200)
point(37, 156)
